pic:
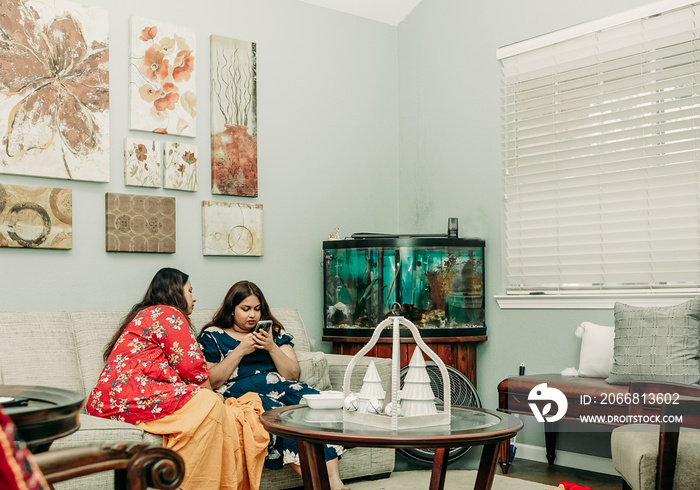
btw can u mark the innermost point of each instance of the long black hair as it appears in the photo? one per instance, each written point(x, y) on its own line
point(167, 288)
point(235, 295)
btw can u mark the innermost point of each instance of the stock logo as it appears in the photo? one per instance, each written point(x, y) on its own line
point(542, 392)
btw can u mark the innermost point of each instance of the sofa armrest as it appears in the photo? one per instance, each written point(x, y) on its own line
point(338, 363)
point(137, 466)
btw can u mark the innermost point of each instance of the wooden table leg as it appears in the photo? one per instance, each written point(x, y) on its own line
point(505, 456)
point(550, 440)
point(437, 477)
point(487, 466)
point(313, 466)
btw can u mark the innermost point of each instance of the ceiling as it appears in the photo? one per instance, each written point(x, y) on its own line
point(386, 11)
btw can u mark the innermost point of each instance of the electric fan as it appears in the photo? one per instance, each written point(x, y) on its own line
point(463, 395)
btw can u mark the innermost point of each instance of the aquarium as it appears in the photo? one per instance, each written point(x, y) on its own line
point(438, 281)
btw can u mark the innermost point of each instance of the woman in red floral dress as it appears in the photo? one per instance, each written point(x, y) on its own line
point(157, 379)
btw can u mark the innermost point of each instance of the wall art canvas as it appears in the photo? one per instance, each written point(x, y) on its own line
point(230, 228)
point(162, 89)
point(180, 166)
point(54, 90)
point(36, 217)
point(234, 128)
point(142, 162)
point(136, 223)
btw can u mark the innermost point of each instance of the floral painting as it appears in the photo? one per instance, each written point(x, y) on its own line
point(234, 129)
point(162, 89)
point(231, 228)
point(142, 162)
point(54, 90)
point(180, 166)
point(36, 217)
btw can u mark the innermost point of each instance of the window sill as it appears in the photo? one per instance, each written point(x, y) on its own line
point(589, 301)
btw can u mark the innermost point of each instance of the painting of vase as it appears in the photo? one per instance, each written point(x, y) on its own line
point(162, 88)
point(54, 90)
point(36, 217)
point(234, 145)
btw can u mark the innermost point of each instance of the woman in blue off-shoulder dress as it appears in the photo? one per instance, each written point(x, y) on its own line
point(241, 360)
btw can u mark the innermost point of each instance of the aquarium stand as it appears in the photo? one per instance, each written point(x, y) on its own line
point(457, 352)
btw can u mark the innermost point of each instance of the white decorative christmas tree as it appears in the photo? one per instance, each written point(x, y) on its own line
point(372, 394)
point(366, 408)
point(417, 396)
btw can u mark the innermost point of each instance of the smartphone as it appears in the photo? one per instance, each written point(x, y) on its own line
point(263, 325)
point(10, 401)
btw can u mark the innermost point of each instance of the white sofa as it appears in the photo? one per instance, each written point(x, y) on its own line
point(64, 349)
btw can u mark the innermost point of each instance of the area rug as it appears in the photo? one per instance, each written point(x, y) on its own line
point(458, 479)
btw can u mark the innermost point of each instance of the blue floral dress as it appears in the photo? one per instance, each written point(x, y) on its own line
point(256, 373)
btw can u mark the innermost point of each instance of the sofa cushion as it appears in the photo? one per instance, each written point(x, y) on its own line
point(596, 357)
point(294, 325)
point(657, 343)
point(38, 347)
point(635, 449)
point(96, 430)
point(93, 330)
point(314, 370)
point(200, 317)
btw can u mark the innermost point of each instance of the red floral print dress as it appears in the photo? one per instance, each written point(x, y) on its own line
point(154, 369)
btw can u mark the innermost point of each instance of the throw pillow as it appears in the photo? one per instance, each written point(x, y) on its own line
point(657, 343)
point(596, 357)
point(314, 370)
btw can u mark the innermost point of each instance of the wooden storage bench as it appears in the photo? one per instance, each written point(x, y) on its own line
point(604, 401)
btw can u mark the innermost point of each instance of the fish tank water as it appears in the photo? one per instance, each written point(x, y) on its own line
point(438, 281)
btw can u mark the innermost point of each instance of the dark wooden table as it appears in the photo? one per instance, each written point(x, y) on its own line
point(50, 413)
point(469, 427)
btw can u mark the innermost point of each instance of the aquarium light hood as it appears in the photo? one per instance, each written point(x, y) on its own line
point(452, 232)
point(385, 235)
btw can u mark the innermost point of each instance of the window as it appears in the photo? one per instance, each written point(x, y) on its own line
point(602, 156)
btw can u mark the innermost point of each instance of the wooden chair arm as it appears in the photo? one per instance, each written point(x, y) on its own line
point(137, 466)
point(641, 388)
point(688, 408)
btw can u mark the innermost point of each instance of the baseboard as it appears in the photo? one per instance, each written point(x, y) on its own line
point(568, 459)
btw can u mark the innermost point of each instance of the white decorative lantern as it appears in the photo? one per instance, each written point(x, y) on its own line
point(417, 405)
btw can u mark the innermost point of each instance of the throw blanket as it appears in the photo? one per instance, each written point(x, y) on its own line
point(223, 444)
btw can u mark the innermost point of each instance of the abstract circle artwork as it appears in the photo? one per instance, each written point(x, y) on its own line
point(36, 217)
point(231, 228)
point(136, 223)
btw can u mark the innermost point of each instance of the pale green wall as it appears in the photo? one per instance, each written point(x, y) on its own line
point(450, 159)
point(361, 125)
point(327, 128)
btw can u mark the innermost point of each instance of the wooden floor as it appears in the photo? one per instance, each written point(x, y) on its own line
point(552, 475)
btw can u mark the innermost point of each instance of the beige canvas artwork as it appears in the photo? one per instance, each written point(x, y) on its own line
point(54, 90)
point(231, 228)
point(136, 223)
point(162, 88)
point(36, 217)
point(234, 117)
point(142, 162)
point(180, 166)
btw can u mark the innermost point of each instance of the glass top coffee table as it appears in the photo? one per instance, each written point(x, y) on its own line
point(468, 427)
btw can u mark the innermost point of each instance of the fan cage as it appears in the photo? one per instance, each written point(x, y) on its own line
point(464, 394)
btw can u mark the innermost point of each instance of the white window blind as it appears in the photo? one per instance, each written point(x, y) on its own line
point(601, 151)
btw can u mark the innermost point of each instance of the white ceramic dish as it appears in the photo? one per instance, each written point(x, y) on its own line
point(325, 400)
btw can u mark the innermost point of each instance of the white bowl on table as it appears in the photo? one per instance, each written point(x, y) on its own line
point(324, 400)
